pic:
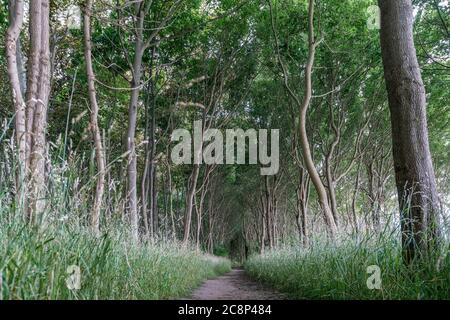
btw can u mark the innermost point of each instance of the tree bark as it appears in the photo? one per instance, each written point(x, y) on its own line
point(414, 174)
point(33, 70)
point(99, 155)
point(306, 151)
point(30, 115)
point(190, 202)
point(331, 187)
point(304, 106)
point(12, 38)
point(39, 116)
point(354, 197)
point(302, 207)
point(132, 118)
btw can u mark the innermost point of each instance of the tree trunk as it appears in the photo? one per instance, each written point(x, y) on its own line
point(12, 38)
point(190, 202)
point(152, 174)
point(306, 151)
point(199, 208)
point(30, 117)
point(303, 106)
point(154, 196)
point(331, 188)
point(354, 197)
point(302, 207)
point(192, 184)
point(132, 118)
point(35, 30)
point(149, 190)
point(144, 197)
point(211, 216)
point(268, 211)
point(99, 155)
point(414, 174)
point(336, 129)
point(39, 118)
point(262, 239)
point(170, 188)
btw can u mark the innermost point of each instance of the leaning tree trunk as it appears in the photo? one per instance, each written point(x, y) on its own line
point(312, 171)
point(304, 106)
point(414, 173)
point(99, 155)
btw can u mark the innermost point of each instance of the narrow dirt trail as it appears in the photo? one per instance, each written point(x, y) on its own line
point(235, 285)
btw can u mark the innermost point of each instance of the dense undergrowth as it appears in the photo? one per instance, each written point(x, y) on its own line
point(39, 262)
point(37, 265)
point(340, 272)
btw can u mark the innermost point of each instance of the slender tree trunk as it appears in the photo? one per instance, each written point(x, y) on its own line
point(268, 211)
point(149, 190)
point(154, 194)
point(262, 239)
point(306, 151)
point(38, 141)
point(331, 188)
point(199, 212)
point(303, 106)
point(99, 151)
point(302, 207)
point(153, 191)
point(132, 118)
point(210, 224)
point(372, 195)
point(275, 219)
point(192, 184)
point(12, 38)
point(30, 117)
point(144, 196)
point(210, 237)
point(35, 30)
point(336, 129)
point(189, 203)
point(355, 196)
point(413, 166)
point(172, 215)
point(199, 209)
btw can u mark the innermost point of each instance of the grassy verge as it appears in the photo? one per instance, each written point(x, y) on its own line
point(34, 265)
point(340, 272)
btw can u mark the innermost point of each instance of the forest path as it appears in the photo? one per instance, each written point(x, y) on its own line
point(235, 285)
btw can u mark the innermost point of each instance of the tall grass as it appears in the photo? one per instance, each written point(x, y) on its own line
point(34, 261)
point(327, 271)
point(34, 265)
